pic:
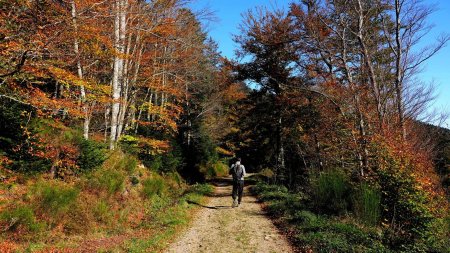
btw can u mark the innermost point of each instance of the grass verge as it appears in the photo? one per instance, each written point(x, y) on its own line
point(118, 207)
point(312, 232)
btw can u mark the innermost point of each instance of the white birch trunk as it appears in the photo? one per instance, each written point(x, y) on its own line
point(80, 72)
point(118, 78)
point(128, 84)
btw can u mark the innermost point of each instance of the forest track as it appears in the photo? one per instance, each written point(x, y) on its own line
point(218, 227)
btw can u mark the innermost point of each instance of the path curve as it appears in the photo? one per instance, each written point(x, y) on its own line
point(220, 228)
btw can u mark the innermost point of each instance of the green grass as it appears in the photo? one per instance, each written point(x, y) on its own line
point(154, 186)
point(316, 231)
point(168, 217)
point(101, 211)
point(20, 217)
point(108, 180)
point(200, 189)
point(367, 204)
point(330, 191)
point(54, 198)
point(152, 244)
point(57, 213)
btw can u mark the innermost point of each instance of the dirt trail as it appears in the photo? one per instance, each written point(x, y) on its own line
point(220, 228)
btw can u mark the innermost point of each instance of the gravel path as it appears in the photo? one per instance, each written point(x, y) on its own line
point(220, 228)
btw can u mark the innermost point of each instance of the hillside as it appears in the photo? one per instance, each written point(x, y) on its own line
point(442, 153)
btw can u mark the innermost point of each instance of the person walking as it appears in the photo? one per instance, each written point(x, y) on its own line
point(237, 170)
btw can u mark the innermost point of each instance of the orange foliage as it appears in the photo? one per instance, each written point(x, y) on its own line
point(234, 92)
point(415, 161)
point(8, 247)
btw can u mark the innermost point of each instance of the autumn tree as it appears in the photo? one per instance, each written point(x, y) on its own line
point(342, 100)
point(265, 40)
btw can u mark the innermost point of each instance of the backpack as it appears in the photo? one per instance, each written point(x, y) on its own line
point(237, 172)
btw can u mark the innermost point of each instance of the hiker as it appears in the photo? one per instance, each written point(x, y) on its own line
point(237, 170)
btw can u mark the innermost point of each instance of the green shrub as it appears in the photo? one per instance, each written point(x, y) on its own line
point(18, 138)
point(154, 162)
point(319, 233)
point(129, 144)
point(279, 200)
point(354, 234)
point(405, 210)
point(214, 169)
point(323, 234)
point(154, 186)
point(134, 180)
point(325, 241)
point(303, 216)
point(207, 170)
point(330, 191)
point(20, 217)
point(92, 154)
point(221, 169)
point(277, 208)
point(367, 204)
point(273, 195)
point(54, 198)
point(439, 240)
point(169, 161)
point(118, 161)
point(111, 177)
point(310, 222)
point(262, 188)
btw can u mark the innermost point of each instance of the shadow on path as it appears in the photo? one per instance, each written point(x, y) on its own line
point(209, 207)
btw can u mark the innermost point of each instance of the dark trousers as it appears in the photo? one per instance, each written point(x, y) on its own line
point(238, 188)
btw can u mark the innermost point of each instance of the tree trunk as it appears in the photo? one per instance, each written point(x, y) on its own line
point(364, 154)
point(398, 69)
point(368, 62)
point(188, 115)
point(137, 65)
point(280, 159)
point(118, 78)
point(80, 72)
point(126, 85)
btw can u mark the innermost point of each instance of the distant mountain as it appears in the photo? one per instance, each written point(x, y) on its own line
point(441, 136)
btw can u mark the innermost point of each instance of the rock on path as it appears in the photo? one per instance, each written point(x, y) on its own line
point(220, 228)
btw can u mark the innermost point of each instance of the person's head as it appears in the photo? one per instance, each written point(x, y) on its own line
point(238, 161)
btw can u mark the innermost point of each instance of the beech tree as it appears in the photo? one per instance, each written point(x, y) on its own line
point(265, 38)
point(122, 67)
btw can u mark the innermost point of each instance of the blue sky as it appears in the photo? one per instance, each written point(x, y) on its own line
point(437, 69)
